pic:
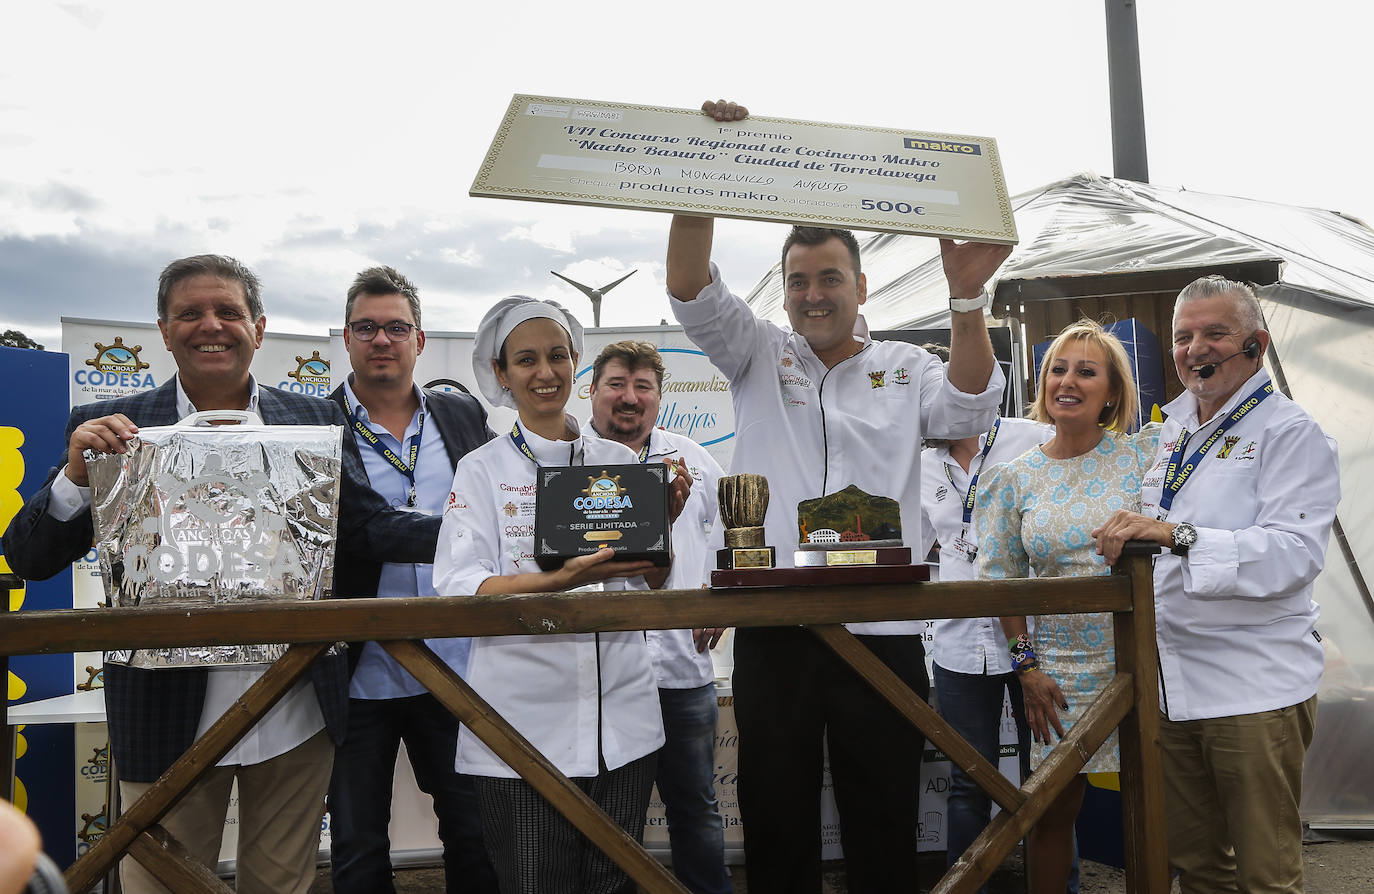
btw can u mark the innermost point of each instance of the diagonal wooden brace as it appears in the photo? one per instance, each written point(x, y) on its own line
point(1063, 763)
point(198, 760)
point(920, 714)
point(486, 724)
point(175, 866)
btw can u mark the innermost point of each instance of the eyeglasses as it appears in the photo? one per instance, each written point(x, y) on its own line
point(366, 330)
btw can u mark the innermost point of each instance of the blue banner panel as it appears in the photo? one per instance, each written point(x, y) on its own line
point(1147, 364)
point(33, 417)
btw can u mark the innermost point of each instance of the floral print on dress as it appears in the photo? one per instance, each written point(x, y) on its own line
point(1036, 514)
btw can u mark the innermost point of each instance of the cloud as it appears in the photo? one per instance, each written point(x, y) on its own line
point(53, 196)
point(462, 264)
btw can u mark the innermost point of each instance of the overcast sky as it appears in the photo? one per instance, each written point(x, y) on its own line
point(314, 139)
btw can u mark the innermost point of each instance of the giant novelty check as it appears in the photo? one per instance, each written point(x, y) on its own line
point(679, 160)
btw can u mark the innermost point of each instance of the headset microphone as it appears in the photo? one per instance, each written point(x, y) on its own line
point(1251, 350)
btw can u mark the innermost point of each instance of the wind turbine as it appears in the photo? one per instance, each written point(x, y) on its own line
point(594, 294)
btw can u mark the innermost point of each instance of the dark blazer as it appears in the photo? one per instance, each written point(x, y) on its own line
point(153, 714)
point(462, 423)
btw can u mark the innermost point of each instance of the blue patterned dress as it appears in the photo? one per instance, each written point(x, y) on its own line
point(1037, 514)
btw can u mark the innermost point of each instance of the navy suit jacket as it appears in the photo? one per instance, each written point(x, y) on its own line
point(153, 714)
point(462, 424)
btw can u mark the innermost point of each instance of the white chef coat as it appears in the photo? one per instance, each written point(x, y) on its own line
point(969, 645)
point(576, 697)
point(814, 431)
point(677, 663)
point(1235, 618)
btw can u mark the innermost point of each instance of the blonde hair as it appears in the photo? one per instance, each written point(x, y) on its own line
point(1121, 415)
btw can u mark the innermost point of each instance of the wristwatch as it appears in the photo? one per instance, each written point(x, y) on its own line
point(1185, 535)
point(962, 305)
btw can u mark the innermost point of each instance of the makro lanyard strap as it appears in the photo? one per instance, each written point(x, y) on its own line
point(1176, 475)
point(518, 438)
point(390, 456)
point(973, 480)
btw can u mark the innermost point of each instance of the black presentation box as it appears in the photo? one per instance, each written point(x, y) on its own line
point(577, 509)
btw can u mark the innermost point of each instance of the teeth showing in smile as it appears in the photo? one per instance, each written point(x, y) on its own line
point(1066, 399)
point(817, 313)
point(553, 389)
point(212, 349)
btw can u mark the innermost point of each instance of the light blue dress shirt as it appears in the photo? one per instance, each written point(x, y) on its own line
point(378, 675)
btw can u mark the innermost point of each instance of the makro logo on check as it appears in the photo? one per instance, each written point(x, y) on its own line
point(942, 146)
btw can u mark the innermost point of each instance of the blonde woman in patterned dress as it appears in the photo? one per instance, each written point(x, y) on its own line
point(1035, 514)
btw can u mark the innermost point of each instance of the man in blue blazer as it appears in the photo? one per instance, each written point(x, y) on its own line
point(410, 439)
point(211, 317)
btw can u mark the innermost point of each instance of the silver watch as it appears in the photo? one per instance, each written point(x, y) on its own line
point(1185, 535)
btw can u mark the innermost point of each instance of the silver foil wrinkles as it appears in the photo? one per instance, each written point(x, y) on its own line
point(214, 515)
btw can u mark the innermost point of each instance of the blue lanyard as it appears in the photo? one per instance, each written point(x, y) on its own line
point(972, 494)
point(518, 439)
point(1177, 473)
point(387, 454)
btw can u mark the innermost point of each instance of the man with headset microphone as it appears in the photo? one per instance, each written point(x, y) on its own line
point(1243, 493)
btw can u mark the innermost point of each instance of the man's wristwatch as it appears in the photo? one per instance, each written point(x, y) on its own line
point(1185, 535)
point(962, 305)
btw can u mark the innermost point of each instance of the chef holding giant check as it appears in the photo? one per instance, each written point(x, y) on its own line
point(820, 406)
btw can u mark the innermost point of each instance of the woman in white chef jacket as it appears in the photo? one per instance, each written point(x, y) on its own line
point(587, 701)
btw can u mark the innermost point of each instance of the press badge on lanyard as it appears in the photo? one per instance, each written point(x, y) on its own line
point(962, 545)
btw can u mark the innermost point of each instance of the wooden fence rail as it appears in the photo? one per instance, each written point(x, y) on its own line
point(1130, 700)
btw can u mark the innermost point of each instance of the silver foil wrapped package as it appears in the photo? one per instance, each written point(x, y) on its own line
point(197, 515)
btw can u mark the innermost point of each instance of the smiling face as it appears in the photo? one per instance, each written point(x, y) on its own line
point(1209, 330)
point(539, 369)
point(822, 294)
point(1077, 384)
point(383, 361)
point(625, 403)
point(211, 333)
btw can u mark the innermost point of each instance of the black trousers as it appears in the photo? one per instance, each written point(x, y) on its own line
point(535, 850)
point(791, 690)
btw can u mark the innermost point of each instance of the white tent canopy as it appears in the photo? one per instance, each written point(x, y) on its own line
point(1320, 312)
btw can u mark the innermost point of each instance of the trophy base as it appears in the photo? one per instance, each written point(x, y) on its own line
point(823, 576)
point(881, 555)
point(746, 557)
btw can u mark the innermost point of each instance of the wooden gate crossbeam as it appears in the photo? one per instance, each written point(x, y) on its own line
point(1129, 701)
point(351, 620)
point(198, 760)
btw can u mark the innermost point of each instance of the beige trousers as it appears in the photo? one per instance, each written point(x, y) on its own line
point(281, 807)
point(1232, 787)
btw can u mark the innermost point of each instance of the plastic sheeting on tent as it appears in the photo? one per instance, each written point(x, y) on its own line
point(1321, 316)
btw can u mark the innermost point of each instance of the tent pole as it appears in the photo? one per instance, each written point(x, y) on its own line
point(1127, 102)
